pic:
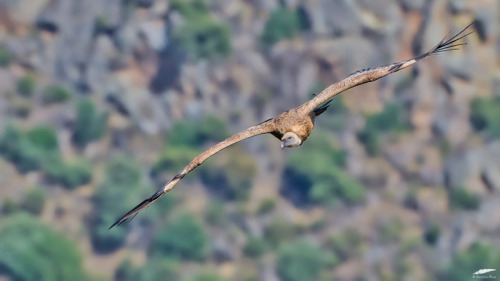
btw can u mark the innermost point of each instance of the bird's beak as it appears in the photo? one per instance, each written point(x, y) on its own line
point(282, 145)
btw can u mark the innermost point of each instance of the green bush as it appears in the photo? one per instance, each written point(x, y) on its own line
point(9, 206)
point(230, 177)
point(278, 231)
point(347, 244)
point(266, 206)
point(283, 23)
point(300, 261)
point(317, 174)
point(90, 125)
point(5, 56)
point(69, 175)
point(34, 200)
point(468, 261)
point(432, 233)
point(461, 198)
point(26, 85)
point(156, 269)
point(197, 133)
point(182, 238)
point(389, 230)
point(206, 276)
point(31, 251)
point(55, 94)
point(28, 151)
point(255, 247)
point(390, 120)
point(43, 137)
point(114, 197)
point(485, 116)
point(215, 213)
point(200, 36)
point(173, 159)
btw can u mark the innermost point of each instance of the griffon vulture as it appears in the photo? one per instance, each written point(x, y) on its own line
point(293, 127)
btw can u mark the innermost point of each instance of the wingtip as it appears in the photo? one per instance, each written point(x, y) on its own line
point(144, 204)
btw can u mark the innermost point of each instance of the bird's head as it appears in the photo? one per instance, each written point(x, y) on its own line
point(290, 139)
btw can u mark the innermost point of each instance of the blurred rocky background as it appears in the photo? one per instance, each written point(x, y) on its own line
point(102, 101)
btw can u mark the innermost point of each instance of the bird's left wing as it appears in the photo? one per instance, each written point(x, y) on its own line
point(372, 74)
point(262, 128)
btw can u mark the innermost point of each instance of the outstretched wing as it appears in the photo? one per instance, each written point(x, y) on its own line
point(262, 128)
point(372, 74)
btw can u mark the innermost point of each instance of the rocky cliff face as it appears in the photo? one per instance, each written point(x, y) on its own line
point(421, 146)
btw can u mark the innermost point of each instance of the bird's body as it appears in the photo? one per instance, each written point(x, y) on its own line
point(294, 126)
point(300, 123)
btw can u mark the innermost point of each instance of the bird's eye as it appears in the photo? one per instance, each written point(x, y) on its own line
point(289, 138)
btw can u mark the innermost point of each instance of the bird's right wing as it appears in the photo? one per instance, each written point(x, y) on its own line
point(267, 126)
point(372, 74)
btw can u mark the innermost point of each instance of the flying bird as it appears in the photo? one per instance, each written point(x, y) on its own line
point(294, 126)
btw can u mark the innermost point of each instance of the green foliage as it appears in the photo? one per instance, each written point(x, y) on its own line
point(113, 198)
point(5, 56)
point(157, 269)
point(391, 120)
point(278, 231)
point(215, 213)
point(182, 238)
point(55, 94)
point(43, 137)
point(255, 247)
point(197, 133)
point(266, 206)
point(411, 200)
point(38, 149)
point(347, 244)
point(230, 177)
point(468, 261)
point(30, 250)
point(432, 233)
point(26, 85)
point(283, 23)
point(317, 172)
point(389, 230)
point(300, 261)
point(461, 198)
point(70, 175)
point(485, 116)
point(34, 200)
point(200, 36)
point(28, 151)
point(206, 276)
point(9, 206)
point(90, 125)
point(173, 159)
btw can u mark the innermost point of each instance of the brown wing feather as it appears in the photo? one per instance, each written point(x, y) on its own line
point(262, 128)
point(372, 74)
